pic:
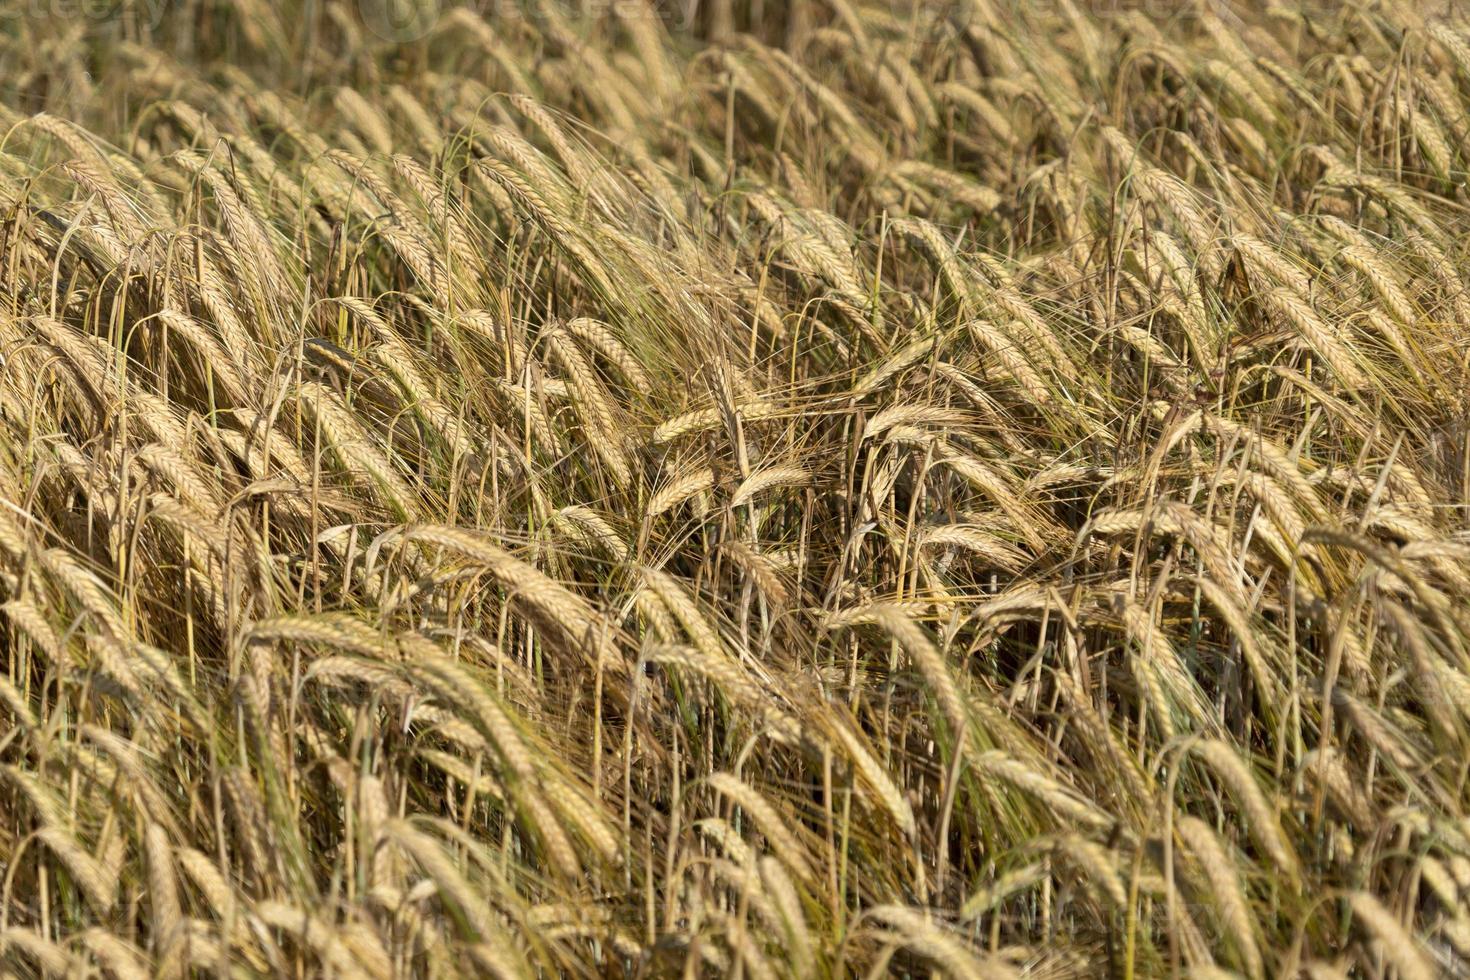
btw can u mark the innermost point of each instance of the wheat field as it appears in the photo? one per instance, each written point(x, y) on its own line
point(759, 488)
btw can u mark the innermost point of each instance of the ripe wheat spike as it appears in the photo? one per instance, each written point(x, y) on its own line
point(800, 488)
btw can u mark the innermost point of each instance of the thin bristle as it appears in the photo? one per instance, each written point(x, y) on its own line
point(795, 489)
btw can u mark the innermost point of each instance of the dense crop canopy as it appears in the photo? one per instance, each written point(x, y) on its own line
point(762, 488)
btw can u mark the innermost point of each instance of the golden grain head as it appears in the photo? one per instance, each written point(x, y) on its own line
point(807, 488)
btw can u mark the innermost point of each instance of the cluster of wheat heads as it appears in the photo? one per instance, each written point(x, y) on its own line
point(823, 489)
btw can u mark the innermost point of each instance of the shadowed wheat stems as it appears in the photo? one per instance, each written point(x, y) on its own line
point(803, 489)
